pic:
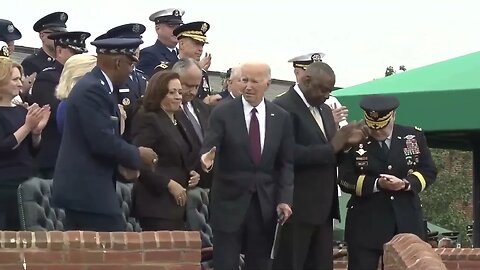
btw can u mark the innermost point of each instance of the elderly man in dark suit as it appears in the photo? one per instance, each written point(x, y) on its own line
point(92, 150)
point(250, 140)
point(235, 84)
point(307, 237)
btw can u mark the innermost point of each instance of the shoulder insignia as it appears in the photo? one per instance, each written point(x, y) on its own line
point(48, 68)
point(139, 71)
point(279, 95)
point(417, 128)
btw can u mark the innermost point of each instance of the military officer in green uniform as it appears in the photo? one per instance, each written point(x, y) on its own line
point(384, 175)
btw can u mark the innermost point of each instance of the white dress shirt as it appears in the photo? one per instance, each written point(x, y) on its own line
point(313, 110)
point(261, 116)
point(109, 82)
point(191, 110)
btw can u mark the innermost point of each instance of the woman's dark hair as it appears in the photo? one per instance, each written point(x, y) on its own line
point(157, 89)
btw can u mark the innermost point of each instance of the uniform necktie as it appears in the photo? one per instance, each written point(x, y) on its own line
point(195, 124)
point(318, 118)
point(254, 134)
point(385, 149)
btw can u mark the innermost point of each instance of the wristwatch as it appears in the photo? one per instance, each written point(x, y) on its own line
point(407, 185)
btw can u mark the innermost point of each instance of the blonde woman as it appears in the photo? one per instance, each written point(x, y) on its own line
point(74, 69)
point(20, 133)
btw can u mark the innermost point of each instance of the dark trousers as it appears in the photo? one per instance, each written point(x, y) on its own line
point(254, 237)
point(160, 224)
point(305, 247)
point(9, 216)
point(361, 258)
point(84, 221)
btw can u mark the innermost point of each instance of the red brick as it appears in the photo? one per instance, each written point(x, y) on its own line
point(163, 256)
point(9, 256)
point(118, 240)
point(20, 267)
point(90, 240)
point(451, 265)
point(63, 267)
point(9, 239)
point(57, 240)
point(107, 267)
point(41, 240)
point(146, 267)
point(43, 256)
point(184, 267)
point(191, 256)
point(123, 257)
point(150, 240)
point(179, 239)
point(194, 240)
point(469, 264)
point(105, 240)
point(164, 239)
point(134, 241)
point(84, 256)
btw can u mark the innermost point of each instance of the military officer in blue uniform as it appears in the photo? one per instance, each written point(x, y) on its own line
point(384, 175)
point(134, 88)
point(191, 39)
point(164, 49)
point(54, 22)
point(92, 151)
point(66, 45)
point(8, 34)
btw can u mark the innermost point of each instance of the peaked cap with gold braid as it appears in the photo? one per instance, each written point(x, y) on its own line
point(378, 110)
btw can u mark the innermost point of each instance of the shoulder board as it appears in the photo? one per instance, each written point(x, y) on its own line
point(279, 95)
point(417, 128)
point(139, 71)
point(48, 68)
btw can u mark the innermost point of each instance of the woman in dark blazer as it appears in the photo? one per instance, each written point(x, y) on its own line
point(159, 195)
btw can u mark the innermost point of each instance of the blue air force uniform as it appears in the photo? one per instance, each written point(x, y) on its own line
point(197, 32)
point(92, 149)
point(374, 214)
point(134, 88)
point(154, 55)
point(43, 93)
point(54, 22)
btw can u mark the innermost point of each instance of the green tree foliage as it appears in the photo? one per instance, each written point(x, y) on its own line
point(448, 202)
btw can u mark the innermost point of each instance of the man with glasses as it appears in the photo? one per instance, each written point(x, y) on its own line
point(164, 50)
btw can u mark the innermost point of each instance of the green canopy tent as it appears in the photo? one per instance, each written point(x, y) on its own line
point(442, 99)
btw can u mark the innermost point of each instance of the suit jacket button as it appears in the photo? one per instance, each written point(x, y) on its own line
point(389, 167)
point(391, 198)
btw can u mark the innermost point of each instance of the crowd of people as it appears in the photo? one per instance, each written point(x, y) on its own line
point(150, 117)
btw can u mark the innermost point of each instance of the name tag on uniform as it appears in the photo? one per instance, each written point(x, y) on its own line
point(124, 90)
point(113, 118)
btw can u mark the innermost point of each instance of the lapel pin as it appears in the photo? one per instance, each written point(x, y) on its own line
point(102, 82)
point(272, 114)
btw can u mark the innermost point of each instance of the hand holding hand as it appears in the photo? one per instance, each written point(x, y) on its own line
point(390, 182)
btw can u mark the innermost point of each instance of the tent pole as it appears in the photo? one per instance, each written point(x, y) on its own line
point(476, 192)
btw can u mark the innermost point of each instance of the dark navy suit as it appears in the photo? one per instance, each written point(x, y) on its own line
point(153, 55)
point(43, 93)
point(90, 152)
point(37, 62)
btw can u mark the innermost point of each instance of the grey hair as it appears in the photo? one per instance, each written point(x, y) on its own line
point(236, 72)
point(182, 65)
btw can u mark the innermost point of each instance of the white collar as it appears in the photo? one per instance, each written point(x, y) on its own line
point(109, 82)
point(300, 93)
point(247, 107)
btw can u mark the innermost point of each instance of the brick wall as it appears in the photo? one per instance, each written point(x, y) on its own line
point(76, 250)
point(460, 258)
